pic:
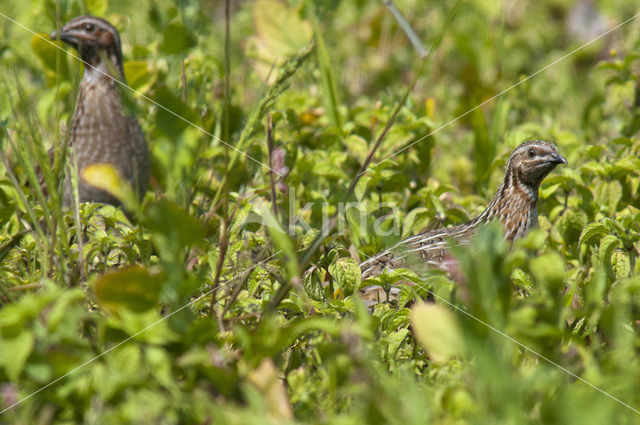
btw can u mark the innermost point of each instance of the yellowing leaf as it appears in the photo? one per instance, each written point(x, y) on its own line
point(430, 107)
point(280, 30)
point(265, 378)
point(106, 177)
point(437, 330)
point(281, 33)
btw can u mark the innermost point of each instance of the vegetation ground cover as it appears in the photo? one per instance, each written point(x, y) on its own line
point(210, 300)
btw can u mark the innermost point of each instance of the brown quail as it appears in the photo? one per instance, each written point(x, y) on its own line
point(101, 131)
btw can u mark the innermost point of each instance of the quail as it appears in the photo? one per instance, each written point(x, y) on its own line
point(514, 205)
point(101, 131)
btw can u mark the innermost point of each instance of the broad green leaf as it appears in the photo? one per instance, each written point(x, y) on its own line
point(347, 275)
point(437, 330)
point(14, 317)
point(14, 353)
point(156, 330)
point(134, 288)
point(51, 54)
point(607, 245)
point(173, 228)
point(416, 220)
point(625, 166)
point(609, 195)
point(395, 340)
point(592, 231)
point(620, 264)
point(594, 167)
point(358, 146)
point(571, 224)
point(548, 269)
point(176, 39)
point(139, 76)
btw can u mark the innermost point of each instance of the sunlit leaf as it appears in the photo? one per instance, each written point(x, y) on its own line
point(51, 54)
point(436, 328)
point(97, 7)
point(139, 76)
point(107, 177)
point(592, 231)
point(281, 33)
point(265, 378)
point(347, 275)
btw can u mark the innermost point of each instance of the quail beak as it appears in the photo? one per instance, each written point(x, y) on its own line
point(64, 36)
point(558, 159)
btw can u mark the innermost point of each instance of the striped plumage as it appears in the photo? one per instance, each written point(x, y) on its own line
point(101, 132)
point(514, 204)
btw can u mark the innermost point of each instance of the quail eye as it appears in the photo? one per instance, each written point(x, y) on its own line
point(531, 152)
point(89, 27)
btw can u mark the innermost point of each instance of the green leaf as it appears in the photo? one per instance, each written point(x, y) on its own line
point(97, 7)
point(166, 121)
point(437, 330)
point(620, 264)
point(347, 275)
point(14, 353)
point(571, 225)
point(135, 288)
point(176, 39)
point(139, 76)
point(51, 54)
point(608, 196)
point(608, 244)
point(592, 233)
point(173, 229)
point(548, 269)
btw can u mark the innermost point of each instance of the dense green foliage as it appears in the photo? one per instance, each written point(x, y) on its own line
point(206, 301)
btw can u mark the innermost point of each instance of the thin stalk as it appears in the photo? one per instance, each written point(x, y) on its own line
point(272, 179)
point(224, 246)
point(227, 73)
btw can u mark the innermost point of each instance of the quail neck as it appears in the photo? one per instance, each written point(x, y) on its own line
point(101, 132)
